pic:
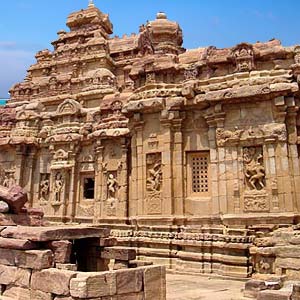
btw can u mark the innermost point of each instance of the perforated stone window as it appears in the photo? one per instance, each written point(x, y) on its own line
point(199, 173)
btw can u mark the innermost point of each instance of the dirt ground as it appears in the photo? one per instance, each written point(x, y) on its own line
point(190, 287)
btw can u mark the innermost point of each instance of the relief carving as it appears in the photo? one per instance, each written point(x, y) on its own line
point(154, 183)
point(255, 196)
point(191, 73)
point(243, 57)
point(58, 188)
point(44, 187)
point(111, 201)
point(253, 168)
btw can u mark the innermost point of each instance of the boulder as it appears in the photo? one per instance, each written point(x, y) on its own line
point(14, 196)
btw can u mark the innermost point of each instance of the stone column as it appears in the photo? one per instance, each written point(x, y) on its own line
point(167, 191)
point(19, 165)
point(140, 168)
point(215, 206)
point(123, 181)
point(33, 177)
point(293, 154)
point(271, 173)
point(133, 196)
point(178, 175)
point(98, 180)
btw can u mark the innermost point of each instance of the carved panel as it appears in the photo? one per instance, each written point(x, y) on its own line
point(112, 194)
point(44, 188)
point(153, 183)
point(58, 188)
point(255, 197)
point(254, 169)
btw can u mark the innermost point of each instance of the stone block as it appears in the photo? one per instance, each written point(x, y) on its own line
point(34, 259)
point(17, 293)
point(20, 219)
point(274, 295)
point(155, 283)
point(12, 275)
point(62, 251)
point(63, 298)
point(287, 263)
point(44, 234)
point(7, 257)
point(121, 264)
point(108, 242)
point(119, 253)
point(17, 244)
point(93, 284)
point(15, 197)
point(52, 281)
point(70, 267)
point(129, 281)
point(131, 296)
point(287, 251)
point(252, 287)
point(39, 295)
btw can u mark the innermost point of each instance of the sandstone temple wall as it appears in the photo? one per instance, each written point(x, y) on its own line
point(186, 154)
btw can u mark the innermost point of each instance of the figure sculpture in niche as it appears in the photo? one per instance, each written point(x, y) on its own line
point(254, 169)
point(112, 185)
point(44, 186)
point(154, 179)
point(58, 186)
point(9, 180)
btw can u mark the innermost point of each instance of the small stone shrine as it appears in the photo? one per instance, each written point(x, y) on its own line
point(68, 262)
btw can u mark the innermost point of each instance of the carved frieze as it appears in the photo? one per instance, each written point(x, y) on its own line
point(263, 132)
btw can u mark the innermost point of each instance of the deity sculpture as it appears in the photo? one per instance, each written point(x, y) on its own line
point(254, 169)
point(58, 186)
point(44, 186)
point(154, 179)
point(112, 185)
point(9, 180)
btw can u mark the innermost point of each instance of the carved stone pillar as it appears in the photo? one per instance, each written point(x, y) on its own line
point(293, 151)
point(123, 180)
point(167, 191)
point(215, 206)
point(32, 175)
point(98, 180)
point(19, 164)
point(178, 175)
point(140, 168)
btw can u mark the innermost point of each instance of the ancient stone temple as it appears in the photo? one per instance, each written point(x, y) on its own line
point(188, 155)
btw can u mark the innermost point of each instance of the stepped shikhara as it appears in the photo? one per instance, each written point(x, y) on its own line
point(188, 155)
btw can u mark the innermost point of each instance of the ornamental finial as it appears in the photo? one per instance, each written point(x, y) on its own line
point(91, 3)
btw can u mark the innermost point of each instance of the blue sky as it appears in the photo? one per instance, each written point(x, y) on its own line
point(27, 26)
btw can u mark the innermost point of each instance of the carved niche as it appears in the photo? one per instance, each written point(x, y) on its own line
point(58, 188)
point(44, 188)
point(191, 73)
point(243, 57)
point(7, 177)
point(153, 183)
point(255, 196)
point(112, 189)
